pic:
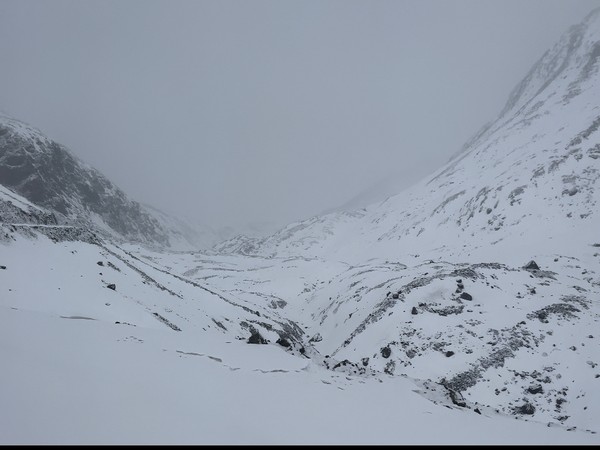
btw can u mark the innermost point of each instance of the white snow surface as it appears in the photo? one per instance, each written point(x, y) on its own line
point(462, 311)
point(72, 375)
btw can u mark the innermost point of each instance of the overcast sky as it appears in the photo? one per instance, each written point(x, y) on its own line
point(243, 111)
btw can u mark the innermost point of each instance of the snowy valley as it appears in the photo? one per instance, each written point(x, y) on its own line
point(463, 310)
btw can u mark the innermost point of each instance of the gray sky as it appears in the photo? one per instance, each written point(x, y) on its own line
point(237, 111)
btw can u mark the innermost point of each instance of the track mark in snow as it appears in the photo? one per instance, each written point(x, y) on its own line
point(77, 317)
point(214, 358)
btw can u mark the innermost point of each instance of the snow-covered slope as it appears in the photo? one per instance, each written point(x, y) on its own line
point(432, 317)
point(117, 345)
point(436, 283)
point(49, 176)
point(535, 168)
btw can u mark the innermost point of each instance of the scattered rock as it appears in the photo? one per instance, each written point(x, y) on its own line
point(535, 389)
point(256, 338)
point(449, 353)
point(112, 286)
point(414, 311)
point(457, 398)
point(466, 296)
point(526, 408)
point(284, 342)
point(316, 338)
point(477, 411)
point(386, 351)
point(365, 361)
point(531, 265)
point(100, 263)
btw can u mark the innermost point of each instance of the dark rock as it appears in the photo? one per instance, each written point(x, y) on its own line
point(256, 338)
point(112, 286)
point(564, 310)
point(535, 389)
point(316, 338)
point(386, 352)
point(526, 408)
point(344, 363)
point(100, 263)
point(457, 398)
point(302, 350)
point(2, 267)
point(365, 361)
point(390, 367)
point(466, 296)
point(531, 265)
point(414, 311)
point(284, 342)
point(449, 353)
point(395, 296)
point(477, 411)
point(459, 281)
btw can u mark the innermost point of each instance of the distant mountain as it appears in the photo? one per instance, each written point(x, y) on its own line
point(51, 177)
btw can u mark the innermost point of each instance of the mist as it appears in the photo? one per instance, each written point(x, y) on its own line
point(238, 112)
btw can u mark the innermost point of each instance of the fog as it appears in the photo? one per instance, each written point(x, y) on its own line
point(237, 112)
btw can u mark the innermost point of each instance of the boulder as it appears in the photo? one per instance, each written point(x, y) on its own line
point(526, 408)
point(531, 265)
point(386, 352)
point(256, 338)
point(535, 389)
point(284, 342)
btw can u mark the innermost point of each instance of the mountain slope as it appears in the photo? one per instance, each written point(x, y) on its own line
point(535, 167)
point(49, 176)
point(468, 300)
point(438, 283)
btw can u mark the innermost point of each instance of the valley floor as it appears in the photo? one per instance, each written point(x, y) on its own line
point(162, 357)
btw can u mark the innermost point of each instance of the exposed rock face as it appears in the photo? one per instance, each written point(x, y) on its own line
point(256, 338)
point(48, 175)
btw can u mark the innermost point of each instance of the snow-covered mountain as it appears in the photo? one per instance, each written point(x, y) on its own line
point(485, 276)
point(50, 176)
point(431, 317)
point(535, 167)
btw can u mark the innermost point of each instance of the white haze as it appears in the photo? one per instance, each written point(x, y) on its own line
point(233, 112)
